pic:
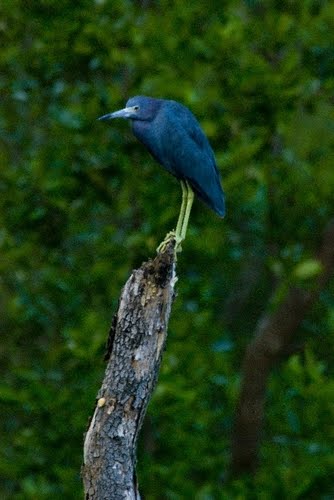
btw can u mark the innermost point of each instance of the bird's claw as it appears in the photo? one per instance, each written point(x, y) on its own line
point(168, 238)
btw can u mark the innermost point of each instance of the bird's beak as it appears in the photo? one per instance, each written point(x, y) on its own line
point(122, 113)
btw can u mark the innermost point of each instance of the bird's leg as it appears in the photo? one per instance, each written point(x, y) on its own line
point(177, 234)
point(189, 203)
point(178, 231)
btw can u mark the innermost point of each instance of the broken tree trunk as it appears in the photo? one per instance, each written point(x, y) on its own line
point(136, 342)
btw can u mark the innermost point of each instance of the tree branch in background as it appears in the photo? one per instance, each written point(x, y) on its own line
point(272, 339)
point(136, 342)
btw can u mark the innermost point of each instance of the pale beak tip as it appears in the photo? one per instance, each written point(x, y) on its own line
point(104, 117)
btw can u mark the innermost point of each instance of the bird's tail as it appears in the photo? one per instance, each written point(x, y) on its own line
point(216, 199)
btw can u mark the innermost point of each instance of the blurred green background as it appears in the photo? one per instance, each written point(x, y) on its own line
point(82, 203)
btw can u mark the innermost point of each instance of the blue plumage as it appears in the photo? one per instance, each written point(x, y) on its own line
point(175, 139)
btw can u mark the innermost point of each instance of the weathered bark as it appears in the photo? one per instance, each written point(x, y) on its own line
point(273, 337)
point(136, 342)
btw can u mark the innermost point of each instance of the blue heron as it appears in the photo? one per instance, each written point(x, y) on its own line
point(175, 139)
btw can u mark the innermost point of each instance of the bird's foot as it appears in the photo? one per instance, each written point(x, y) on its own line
point(168, 238)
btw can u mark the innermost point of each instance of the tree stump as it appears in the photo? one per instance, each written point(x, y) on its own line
point(135, 346)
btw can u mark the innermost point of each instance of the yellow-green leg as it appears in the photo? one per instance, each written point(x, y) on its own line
point(189, 204)
point(179, 225)
point(182, 222)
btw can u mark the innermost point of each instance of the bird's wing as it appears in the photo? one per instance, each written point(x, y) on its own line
point(188, 122)
point(193, 159)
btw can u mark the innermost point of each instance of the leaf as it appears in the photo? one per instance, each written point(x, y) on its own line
point(307, 269)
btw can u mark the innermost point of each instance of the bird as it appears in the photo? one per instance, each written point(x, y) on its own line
point(175, 139)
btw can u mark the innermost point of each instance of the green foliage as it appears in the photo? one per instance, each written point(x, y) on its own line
point(81, 204)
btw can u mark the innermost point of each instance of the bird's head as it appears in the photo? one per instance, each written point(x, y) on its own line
point(137, 108)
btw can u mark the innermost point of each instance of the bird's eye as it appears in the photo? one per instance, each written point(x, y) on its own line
point(136, 108)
